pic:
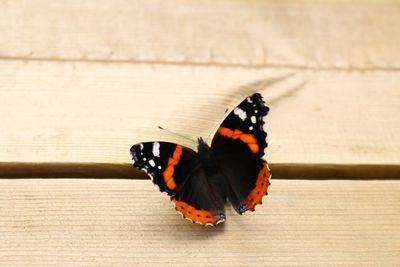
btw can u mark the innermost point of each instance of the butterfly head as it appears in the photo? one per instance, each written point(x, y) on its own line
point(203, 148)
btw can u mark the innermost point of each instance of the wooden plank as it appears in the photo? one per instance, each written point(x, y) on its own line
point(93, 112)
point(258, 33)
point(129, 223)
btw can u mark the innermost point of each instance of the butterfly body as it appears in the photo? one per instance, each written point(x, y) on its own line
point(206, 157)
point(232, 168)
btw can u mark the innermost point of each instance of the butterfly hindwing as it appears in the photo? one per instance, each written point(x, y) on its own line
point(199, 200)
point(168, 164)
point(239, 147)
point(248, 181)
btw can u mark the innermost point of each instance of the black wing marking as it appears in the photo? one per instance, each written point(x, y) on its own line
point(168, 164)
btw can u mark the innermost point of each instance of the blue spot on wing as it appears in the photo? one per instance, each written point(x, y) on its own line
point(243, 208)
point(219, 216)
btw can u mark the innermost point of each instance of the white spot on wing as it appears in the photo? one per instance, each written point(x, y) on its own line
point(156, 149)
point(159, 167)
point(256, 111)
point(240, 113)
point(251, 128)
point(152, 163)
point(220, 221)
point(253, 119)
point(249, 100)
point(141, 146)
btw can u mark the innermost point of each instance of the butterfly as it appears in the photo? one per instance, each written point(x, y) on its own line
point(231, 168)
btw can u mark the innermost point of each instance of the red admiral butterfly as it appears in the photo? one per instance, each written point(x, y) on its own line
point(231, 168)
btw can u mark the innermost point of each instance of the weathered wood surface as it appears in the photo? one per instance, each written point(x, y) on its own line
point(304, 34)
point(129, 223)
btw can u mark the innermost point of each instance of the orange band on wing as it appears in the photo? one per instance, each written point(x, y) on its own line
point(169, 171)
point(249, 139)
point(260, 190)
point(203, 217)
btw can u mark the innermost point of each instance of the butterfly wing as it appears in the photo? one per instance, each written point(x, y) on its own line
point(198, 202)
point(239, 147)
point(242, 131)
point(175, 170)
point(248, 181)
point(168, 164)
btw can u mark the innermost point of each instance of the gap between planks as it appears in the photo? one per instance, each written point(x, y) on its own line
point(126, 171)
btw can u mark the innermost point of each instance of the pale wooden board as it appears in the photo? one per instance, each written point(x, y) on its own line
point(313, 34)
point(94, 112)
point(129, 223)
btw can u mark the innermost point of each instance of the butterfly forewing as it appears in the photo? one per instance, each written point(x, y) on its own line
point(244, 124)
point(168, 164)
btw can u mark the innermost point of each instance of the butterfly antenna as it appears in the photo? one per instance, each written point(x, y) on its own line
point(180, 135)
point(215, 127)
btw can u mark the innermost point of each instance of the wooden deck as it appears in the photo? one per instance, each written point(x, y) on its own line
point(81, 81)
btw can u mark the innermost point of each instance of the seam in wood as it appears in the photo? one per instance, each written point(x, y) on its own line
point(204, 64)
point(13, 170)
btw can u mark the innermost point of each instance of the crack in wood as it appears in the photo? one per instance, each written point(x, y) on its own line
point(126, 171)
point(205, 64)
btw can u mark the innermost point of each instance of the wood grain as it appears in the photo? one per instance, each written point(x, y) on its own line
point(304, 34)
point(129, 223)
point(93, 112)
